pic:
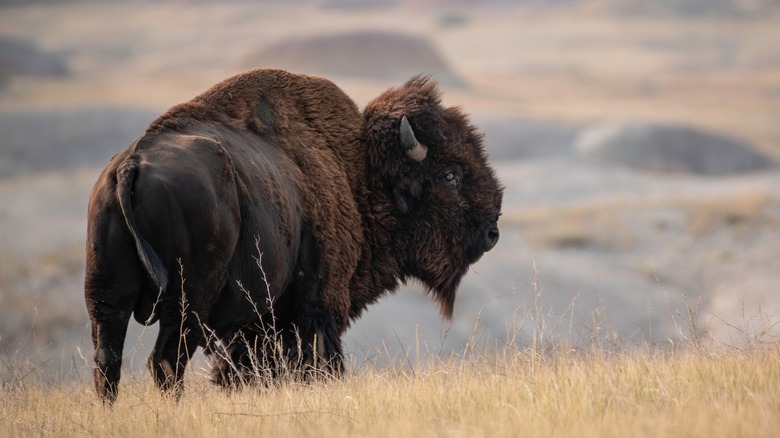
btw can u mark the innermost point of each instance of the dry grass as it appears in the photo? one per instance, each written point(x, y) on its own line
point(570, 66)
point(595, 224)
point(38, 307)
point(708, 214)
point(603, 224)
point(547, 388)
point(691, 392)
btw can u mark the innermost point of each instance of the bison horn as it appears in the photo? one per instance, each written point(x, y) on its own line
point(414, 149)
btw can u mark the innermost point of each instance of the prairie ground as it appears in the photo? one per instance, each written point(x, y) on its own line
point(517, 393)
point(587, 250)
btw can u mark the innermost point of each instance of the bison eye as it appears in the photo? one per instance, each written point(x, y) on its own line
point(452, 176)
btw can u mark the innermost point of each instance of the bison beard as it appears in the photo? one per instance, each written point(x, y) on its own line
point(259, 218)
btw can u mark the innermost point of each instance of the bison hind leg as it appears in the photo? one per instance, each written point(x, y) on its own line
point(109, 310)
point(106, 374)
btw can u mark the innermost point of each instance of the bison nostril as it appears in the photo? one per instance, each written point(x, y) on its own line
point(491, 238)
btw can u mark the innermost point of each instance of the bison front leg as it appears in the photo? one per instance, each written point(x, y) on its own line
point(321, 310)
point(327, 347)
point(318, 352)
point(172, 352)
point(319, 349)
point(253, 354)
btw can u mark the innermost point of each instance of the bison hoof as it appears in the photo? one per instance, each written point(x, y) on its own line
point(165, 377)
point(106, 375)
point(107, 390)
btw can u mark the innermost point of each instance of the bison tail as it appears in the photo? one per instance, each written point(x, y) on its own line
point(151, 261)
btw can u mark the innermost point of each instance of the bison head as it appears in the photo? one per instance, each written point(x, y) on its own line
point(430, 162)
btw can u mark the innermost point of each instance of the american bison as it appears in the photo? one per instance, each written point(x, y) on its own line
point(271, 200)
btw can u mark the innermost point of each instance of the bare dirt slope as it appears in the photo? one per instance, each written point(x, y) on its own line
point(586, 248)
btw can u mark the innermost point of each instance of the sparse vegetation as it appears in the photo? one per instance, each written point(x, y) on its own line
point(603, 225)
point(37, 313)
point(520, 392)
point(545, 387)
point(577, 228)
point(734, 212)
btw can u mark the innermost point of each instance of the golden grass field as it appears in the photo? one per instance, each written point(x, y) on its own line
point(574, 65)
point(517, 393)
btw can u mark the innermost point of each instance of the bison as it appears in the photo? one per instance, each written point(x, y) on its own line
point(270, 199)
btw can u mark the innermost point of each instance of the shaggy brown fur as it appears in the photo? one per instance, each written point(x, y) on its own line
point(317, 126)
point(340, 213)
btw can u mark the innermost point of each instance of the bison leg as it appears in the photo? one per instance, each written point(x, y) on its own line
point(109, 327)
point(183, 328)
point(319, 349)
point(320, 343)
point(111, 289)
point(176, 343)
point(229, 362)
point(253, 354)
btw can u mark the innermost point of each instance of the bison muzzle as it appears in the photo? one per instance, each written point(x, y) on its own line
point(270, 207)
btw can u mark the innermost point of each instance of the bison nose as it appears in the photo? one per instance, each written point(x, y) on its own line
point(491, 237)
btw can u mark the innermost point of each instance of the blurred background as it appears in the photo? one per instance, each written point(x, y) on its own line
point(639, 143)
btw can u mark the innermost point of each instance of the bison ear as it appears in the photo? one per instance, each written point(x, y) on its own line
point(413, 148)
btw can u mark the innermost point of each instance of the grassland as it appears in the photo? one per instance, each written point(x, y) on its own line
point(685, 391)
point(570, 65)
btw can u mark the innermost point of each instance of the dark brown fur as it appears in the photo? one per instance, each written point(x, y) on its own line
point(340, 214)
